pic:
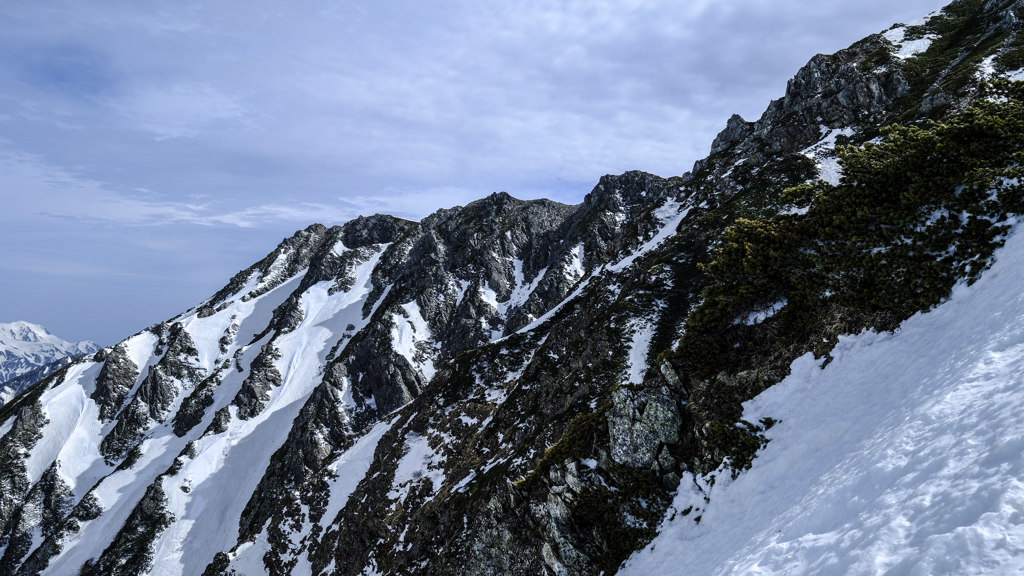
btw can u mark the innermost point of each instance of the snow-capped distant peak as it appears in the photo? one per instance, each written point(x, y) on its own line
point(25, 346)
point(24, 332)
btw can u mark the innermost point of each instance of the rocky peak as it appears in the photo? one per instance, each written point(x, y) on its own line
point(855, 85)
point(376, 229)
point(623, 192)
point(736, 129)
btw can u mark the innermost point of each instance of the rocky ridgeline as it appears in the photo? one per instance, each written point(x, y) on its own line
point(481, 392)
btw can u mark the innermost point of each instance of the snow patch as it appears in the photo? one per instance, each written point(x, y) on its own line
point(350, 468)
point(419, 462)
point(638, 349)
point(906, 49)
point(823, 154)
point(521, 292)
point(759, 316)
point(410, 337)
point(670, 215)
point(463, 285)
point(574, 270)
point(489, 296)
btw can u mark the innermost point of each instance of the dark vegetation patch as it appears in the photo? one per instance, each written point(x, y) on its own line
point(912, 216)
point(961, 42)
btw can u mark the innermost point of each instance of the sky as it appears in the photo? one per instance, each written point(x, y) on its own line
point(151, 149)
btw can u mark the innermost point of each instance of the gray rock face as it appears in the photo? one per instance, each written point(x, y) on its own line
point(46, 505)
point(640, 423)
point(86, 510)
point(736, 129)
point(291, 257)
point(376, 229)
point(176, 371)
point(376, 373)
point(263, 375)
point(14, 480)
point(131, 552)
point(115, 381)
point(194, 406)
point(325, 265)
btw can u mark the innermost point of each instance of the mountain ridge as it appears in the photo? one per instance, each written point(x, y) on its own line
point(491, 390)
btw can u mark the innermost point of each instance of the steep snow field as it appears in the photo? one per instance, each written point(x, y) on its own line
point(208, 496)
point(905, 455)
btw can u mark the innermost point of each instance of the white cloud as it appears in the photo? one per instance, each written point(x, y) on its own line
point(179, 110)
point(54, 193)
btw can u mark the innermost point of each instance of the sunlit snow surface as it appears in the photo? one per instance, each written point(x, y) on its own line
point(207, 496)
point(904, 456)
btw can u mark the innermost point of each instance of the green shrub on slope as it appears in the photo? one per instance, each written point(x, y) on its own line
point(912, 216)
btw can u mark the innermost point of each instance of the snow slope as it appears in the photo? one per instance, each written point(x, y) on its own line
point(904, 456)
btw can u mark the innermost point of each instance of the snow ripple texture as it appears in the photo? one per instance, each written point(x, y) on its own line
point(904, 456)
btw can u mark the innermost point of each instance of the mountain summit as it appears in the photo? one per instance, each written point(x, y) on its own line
point(528, 387)
point(26, 347)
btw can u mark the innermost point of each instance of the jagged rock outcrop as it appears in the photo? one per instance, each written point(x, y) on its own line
point(15, 482)
point(176, 371)
point(114, 382)
point(736, 129)
point(44, 508)
point(640, 424)
point(263, 375)
point(131, 552)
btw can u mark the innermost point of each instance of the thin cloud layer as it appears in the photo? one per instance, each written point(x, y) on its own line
point(126, 122)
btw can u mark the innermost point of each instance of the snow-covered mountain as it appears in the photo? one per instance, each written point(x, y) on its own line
point(765, 343)
point(26, 347)
point(11, 388)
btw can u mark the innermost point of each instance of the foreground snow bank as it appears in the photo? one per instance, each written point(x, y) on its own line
point(904, 456)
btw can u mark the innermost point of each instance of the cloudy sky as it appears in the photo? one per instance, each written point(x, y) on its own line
point(150, 149)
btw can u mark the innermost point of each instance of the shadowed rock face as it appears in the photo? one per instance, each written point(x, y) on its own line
point(256, 388)
point(477, 393)
point(176, 370)
point(45, 506)
point(376, 229)
point(115, 381)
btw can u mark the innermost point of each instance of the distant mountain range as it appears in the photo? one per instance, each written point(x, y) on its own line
point(29, 352)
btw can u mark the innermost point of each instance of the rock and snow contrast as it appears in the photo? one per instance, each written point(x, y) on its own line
point(904, 456)
point(28, 353)
point(517, 387)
